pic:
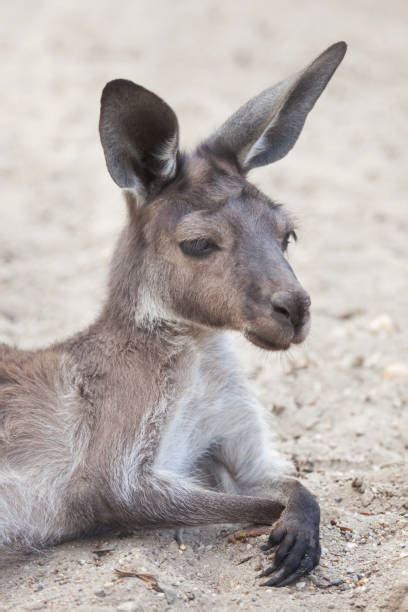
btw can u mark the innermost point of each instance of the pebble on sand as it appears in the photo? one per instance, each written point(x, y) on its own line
point(396, 371)
point(383, 324)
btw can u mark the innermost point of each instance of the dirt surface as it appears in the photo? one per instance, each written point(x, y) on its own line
point(339, 403)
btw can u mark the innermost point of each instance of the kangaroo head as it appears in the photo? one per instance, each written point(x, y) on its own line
point(204, 245)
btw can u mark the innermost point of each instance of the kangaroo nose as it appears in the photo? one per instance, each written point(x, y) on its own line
point(293, 306)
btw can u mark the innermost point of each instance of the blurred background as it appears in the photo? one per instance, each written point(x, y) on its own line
point(339, 402)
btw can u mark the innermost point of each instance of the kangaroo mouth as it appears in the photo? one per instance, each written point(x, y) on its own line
point(267, 344)
point(277, 337)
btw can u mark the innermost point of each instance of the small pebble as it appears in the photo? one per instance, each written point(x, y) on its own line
point(382, 324)
point(129, 606)
point(169, 593)
point(358, 484)
point(395, 371)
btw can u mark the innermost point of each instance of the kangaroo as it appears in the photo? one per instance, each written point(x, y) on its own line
point(144, 419)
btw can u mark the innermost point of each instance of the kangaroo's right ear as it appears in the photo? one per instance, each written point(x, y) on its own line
point(139, 135)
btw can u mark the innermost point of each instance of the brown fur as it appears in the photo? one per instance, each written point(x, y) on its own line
point(128, 422)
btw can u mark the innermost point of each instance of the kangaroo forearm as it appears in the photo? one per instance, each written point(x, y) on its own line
point(165, 506)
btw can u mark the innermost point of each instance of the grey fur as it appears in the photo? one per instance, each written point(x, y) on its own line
point(144, 419)
point(264, 129)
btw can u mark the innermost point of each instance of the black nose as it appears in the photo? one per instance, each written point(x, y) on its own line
point(292, 305)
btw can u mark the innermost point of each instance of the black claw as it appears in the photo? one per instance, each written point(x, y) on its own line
point(295, 539)
point(274, 581)
point(296, 555)
point(267, 571)
point(304, 569)
point(289, 573)
point(284, 549)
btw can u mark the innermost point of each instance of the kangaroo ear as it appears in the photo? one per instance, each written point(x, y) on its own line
point(139, 135)
point(266, 128)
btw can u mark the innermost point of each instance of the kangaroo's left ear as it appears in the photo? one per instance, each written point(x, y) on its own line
point(139, 135)
point(266, 128)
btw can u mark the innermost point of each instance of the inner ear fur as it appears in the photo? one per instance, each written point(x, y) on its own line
point(140, 137)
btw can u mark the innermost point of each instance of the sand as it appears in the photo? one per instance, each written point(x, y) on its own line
point(339, 402)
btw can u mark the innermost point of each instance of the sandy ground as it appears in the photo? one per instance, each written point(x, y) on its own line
point(339, 402)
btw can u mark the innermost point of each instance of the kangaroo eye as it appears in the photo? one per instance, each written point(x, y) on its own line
point(201, 247)
point(290, 237)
